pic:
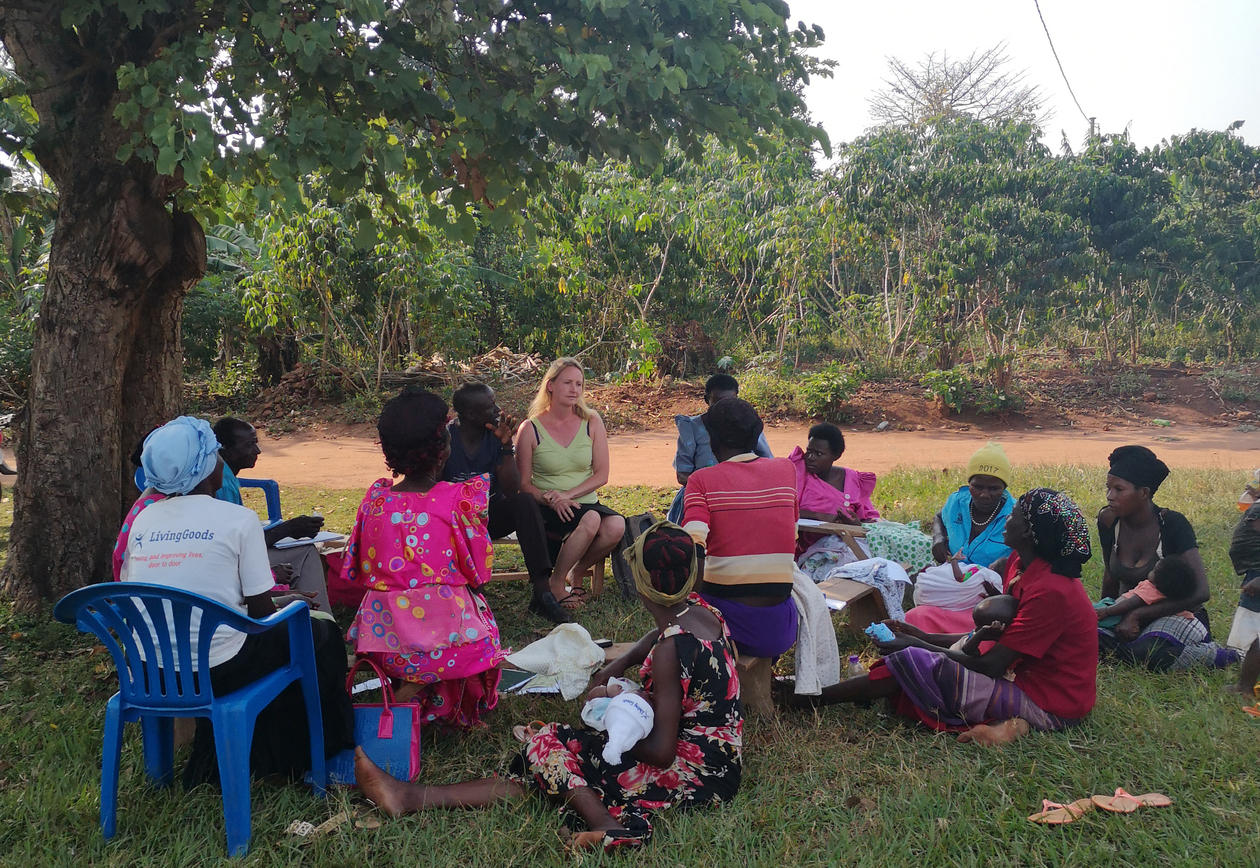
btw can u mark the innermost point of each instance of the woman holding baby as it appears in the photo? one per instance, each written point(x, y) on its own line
point(1049, 648)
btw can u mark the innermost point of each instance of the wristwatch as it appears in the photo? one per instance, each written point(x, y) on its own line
point(507, 450)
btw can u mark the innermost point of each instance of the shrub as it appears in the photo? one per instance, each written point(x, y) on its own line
point(770, 393)
point(1128, 384)
point(963, 388)
point(824, 392)
point(1239, 386)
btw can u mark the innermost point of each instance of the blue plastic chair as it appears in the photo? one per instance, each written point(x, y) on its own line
point(155, 694)
point(271, 491)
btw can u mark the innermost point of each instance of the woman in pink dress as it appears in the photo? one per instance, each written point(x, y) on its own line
point(421, 548)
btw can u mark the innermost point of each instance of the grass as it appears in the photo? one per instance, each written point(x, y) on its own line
point(840, 786)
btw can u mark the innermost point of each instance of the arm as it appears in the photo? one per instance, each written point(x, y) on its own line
point(940, 540)
point(260, 606)
point(599, 461)
point(684, 451)
point(1121, 607)
point(943, 640)
point(1106, 541)
point(1146, 614)
point(525, 460)
point(633, 657)
point(507, 474)
point(298, 527)
point(993, 664)
point(660, 747)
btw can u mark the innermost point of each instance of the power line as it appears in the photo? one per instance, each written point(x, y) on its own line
point(1087, 118)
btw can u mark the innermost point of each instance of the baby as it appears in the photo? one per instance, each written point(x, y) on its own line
point(992, 616)
point(619, 709)
point(1172, 578)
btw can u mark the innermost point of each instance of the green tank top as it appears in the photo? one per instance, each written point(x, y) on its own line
point(559, 468)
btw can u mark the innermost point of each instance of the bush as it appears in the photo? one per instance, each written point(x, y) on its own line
point(1239, 386)
point(963, 388)
point(770, 393)
point(824, 392)
point(1128, 384)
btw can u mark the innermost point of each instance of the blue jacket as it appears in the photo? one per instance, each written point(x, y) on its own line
point(988, 546)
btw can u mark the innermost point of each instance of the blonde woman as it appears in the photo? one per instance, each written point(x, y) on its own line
point(562, 453)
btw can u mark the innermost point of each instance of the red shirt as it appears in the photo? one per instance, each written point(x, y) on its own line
point(1056, 633)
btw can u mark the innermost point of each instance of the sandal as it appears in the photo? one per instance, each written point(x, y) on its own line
point(1146, 800)
point(577, 601)
point(545, 605)
point(524, 732)
point(1054, 814)
point(607, 840)
point(1120, 803)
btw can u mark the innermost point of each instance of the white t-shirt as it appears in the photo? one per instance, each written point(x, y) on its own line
point(206, 546)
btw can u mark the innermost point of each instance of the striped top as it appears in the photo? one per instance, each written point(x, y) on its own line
point(744, 511)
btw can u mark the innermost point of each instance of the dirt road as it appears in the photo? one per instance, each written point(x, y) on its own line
point(350, 458)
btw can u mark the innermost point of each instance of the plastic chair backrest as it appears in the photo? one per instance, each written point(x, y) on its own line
point(142, 626)
point(270, 488)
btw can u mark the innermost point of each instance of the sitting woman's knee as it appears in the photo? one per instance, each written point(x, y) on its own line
point(612, 527)
point(589, 522)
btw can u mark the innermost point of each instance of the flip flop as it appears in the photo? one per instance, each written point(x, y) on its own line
point(1253, 710)
point(1120, 803)
point(1055, 814)
point(608, 841)
point(578, 602)
point(524, 732)
point(1146, 800)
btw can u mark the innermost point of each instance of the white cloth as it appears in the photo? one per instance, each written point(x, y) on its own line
point(1246, 629)
point(206, 546)
point(626, 717)
point(568, 652)
point(817, 657)
point(887, 577)
point(936, 586)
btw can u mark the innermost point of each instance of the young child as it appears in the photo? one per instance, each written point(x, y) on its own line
point(992, 616)
point(1244, 635)
point(955, 585)
point(1171, 578)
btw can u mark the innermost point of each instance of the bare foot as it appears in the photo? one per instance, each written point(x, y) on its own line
point(997, 733)
point(390, 795)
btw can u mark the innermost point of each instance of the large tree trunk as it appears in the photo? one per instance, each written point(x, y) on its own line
point(105, 369)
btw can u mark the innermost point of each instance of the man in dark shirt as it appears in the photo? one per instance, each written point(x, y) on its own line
point(481, 442)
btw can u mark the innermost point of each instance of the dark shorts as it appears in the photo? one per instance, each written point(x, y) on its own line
point(558, 529)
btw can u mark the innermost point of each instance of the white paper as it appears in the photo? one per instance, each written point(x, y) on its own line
point(289, 542)
point(810, 522)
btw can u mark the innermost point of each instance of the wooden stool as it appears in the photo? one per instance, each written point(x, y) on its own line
point(597, 572)
point(754, 687)
point(863, 603)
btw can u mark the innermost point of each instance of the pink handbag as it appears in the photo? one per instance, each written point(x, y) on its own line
point(388, 731)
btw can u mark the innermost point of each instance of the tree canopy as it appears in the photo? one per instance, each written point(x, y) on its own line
point(152, 116)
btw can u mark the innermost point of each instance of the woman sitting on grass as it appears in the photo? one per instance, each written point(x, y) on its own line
point(421, 548)
point(562, 455)
point(691, 757)
point(1051, 644)
point(1135, 534)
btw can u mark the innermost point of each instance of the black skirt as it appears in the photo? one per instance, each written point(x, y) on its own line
point(558, 529)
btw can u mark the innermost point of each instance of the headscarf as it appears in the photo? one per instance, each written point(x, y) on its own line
point(664, 564)
point(179, 455)
point(1059, 532)
point(1138, 465)
point(990, 460)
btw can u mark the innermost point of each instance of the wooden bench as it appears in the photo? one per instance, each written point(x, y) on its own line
point(863, 603)
point(596, 572)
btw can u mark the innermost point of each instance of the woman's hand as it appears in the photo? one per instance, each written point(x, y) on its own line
point(991, 631)
point(904, 629)
point(307, 597)
point(902, 640)
point(565, 507)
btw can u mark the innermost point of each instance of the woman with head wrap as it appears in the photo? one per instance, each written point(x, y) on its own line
point(1048, 654)
point(691, 757)
point(1134, 534)
point(191, 541)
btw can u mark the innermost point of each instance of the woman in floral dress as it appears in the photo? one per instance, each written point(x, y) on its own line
point(421, 548)
point(691, 758)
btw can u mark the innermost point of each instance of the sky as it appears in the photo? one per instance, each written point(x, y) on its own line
point(1158, 68)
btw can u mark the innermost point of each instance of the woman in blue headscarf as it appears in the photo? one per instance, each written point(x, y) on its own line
point(193, 542)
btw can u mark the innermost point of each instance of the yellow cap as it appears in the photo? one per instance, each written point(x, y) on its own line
point(990, 460)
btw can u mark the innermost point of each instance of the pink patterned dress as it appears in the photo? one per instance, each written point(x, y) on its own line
point(707, 764)
point(421, 558)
